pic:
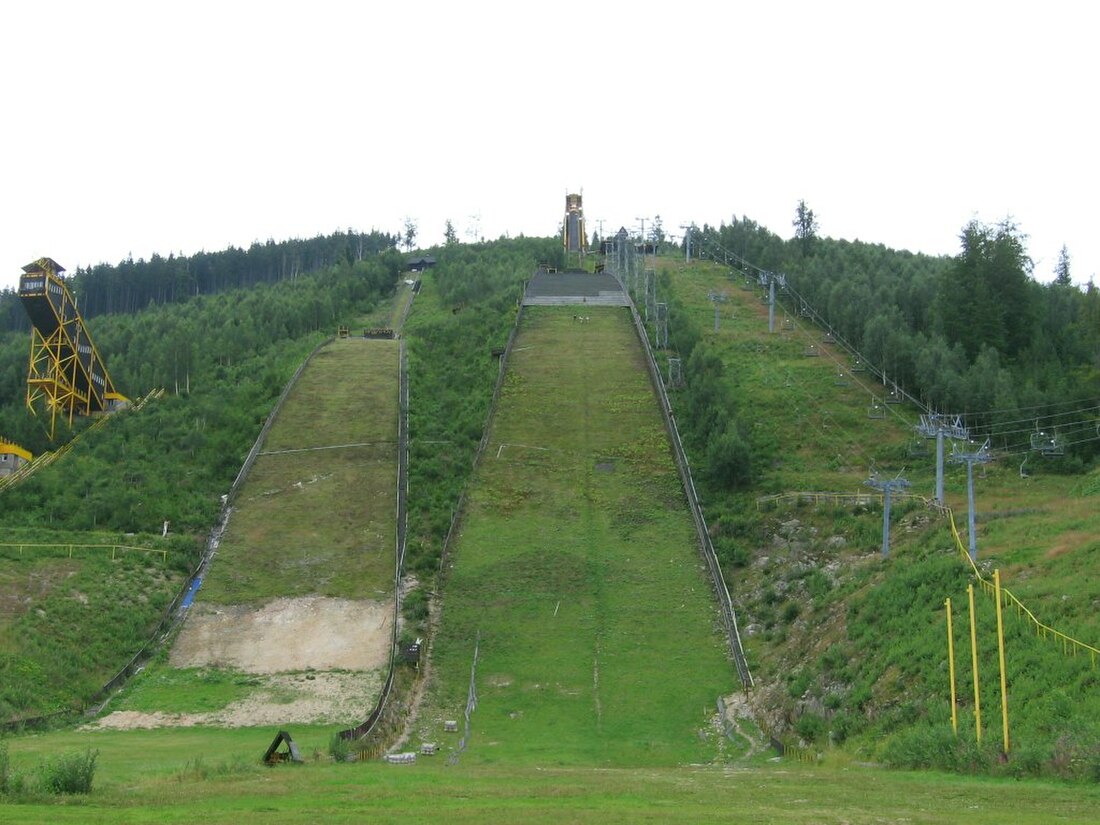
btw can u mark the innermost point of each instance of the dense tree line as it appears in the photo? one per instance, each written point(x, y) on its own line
point(973, 334)
point(224, 359)
point(131, 285)
point(466, 309)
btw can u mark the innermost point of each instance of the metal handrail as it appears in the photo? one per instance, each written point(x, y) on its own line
point(1070, 645)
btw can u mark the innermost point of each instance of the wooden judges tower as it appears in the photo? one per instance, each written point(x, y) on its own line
point(66, 376)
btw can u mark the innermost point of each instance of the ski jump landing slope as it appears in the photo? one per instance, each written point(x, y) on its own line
point(576, 571)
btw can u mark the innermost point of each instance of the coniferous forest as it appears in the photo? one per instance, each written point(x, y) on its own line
point(976, 334)
point(223, 356)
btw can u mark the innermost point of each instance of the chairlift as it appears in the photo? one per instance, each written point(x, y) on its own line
point(804, 310)
point(811, 351)
point(1047, 444)
point(828, 338)
point(859, 366)
point(894, 396)
point(876, 410)
point(841, 379)
point(788, 324)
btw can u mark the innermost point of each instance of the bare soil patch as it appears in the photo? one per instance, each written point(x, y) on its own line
point(286, 635)
point(1069, 541)
point(284, 699)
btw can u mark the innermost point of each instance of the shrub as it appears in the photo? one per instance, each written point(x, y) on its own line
point(415, 606)
point(731, 552)
point(339, 748)
point(938, 747)
point(811, 727)
point(791, 611)
point(68, 773)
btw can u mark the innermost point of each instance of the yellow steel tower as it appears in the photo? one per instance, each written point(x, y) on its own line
point(66, 376)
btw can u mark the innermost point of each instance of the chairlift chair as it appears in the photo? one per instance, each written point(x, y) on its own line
point(811, 351)
point(828, 338)
point(858, 365)
point(894, 396)
point(1047, 444)
point(841, 379)
point(876, 410)
point(788, 324)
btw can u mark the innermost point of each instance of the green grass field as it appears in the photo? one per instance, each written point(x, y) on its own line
point(577, 565)
point(320, 521)
point(213, 775)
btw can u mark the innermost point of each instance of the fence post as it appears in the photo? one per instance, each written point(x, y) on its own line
point(951, 669)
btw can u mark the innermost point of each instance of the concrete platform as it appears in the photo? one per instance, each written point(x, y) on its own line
point(572, 288)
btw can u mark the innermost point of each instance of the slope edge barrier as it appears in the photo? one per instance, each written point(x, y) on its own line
point(706, 548)
point(401, 530)
point(174, 615)
point(456, 517)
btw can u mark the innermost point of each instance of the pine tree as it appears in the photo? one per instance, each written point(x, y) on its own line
point(805, 227)
point(1061, 270)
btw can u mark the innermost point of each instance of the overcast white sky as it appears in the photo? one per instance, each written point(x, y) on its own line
point(142, 127)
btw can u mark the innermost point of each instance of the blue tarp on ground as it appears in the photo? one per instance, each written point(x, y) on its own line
point(191, 591)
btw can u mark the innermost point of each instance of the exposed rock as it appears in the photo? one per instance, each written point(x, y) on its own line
point(790, 528)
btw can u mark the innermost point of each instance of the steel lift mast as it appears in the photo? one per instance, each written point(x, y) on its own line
point(66, 376)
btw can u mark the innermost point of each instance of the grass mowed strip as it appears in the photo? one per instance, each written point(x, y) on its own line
point(316, 515)
point(213, 775)
point(577, 566)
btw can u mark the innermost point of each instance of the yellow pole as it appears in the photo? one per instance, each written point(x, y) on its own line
point(951, 669)
point(1001, 657)
point(974, 665)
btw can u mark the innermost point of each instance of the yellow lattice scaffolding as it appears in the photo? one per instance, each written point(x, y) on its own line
point(66, 376)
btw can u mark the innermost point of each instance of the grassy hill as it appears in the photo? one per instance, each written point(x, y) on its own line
point(293, 621)
point(851, 648)
point(602, 711)
point(316, 513)
point(577, 568)
point(71, 616)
